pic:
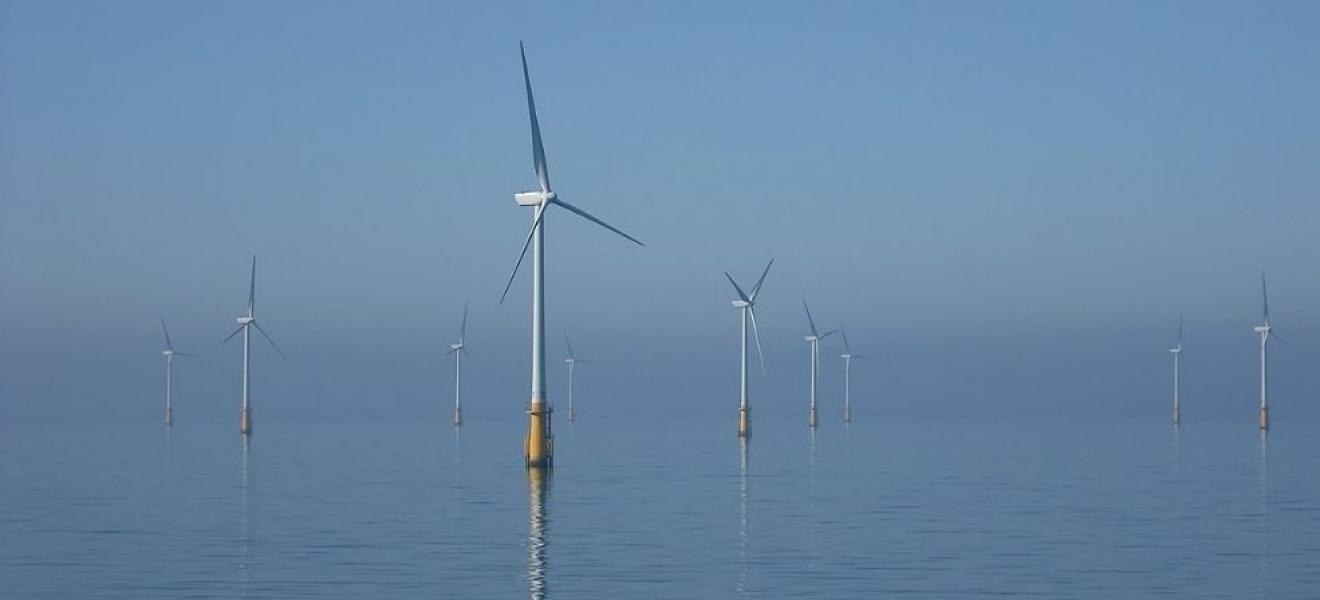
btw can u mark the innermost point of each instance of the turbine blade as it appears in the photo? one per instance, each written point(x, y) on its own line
point(453, 350)
point(1180, 329)
point(846, 347)
point(584, 214)
point(828, 333)
point(187, 354)
point(756, 289)
point(756, 335)
point(570, 346)
point(169, 345)
point(1264, 297)
point(462, 330)
point(538, 150)
point(540, 214)
point(810, 321)
point(741, 294)
point(252, 287)
point(231, 336)
point(272, 342)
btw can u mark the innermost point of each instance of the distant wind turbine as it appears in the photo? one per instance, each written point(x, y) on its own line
point(847, 357)
point(458, 349)
point(572, 361)
point(246, 322)
point(170, 353)
point(1177, 385)
point(814, 340)
point(746, 303)
point(539, 443)
point(1266, 332)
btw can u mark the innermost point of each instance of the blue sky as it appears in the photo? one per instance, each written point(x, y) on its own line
point(1008, 203)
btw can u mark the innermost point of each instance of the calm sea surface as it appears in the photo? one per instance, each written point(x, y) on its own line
point(660, 509)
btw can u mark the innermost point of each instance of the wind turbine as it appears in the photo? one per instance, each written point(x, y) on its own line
point(746, 303)
point(1177, 385)
point(538, 446)
point(1266, 332)
point(847, 357)
point(572, 362)
point(245, 322)
point(458, 350)
point(814, 339)
point(170, 353)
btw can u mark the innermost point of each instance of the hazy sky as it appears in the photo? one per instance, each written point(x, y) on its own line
point(1008, 203)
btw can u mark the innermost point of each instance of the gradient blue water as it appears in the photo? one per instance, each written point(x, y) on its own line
point(884, 508)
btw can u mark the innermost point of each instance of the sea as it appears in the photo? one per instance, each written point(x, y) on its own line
point(679, 507)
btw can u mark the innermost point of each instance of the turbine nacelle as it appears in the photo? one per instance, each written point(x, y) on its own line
point(167, 353)
point(456, 346)
point(811, 338)
point(1262, 329)
point(245, 319)
point(741, 304)
point(1177, 350)
point(534, 198)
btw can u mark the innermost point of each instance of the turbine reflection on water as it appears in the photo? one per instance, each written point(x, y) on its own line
point(1263, 591)
point(246, 530)
point(538, 488)
point(744, 537)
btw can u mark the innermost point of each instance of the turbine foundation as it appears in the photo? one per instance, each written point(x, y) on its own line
point(458, 417)
point(245, 421)
point(1265, 417)
point(744, 422)
point(169, 416)
point(572, 414)
point(539, 445)
point(847, 414)
point(1177, 416)
point(811, 417)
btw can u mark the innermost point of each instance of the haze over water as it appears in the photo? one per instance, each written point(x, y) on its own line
point(888, 507)
point(1008, 204)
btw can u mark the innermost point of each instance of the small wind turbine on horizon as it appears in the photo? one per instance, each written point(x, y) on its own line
point(458, 349)
point(538, 446)
point(1177, 385)
point(572, 361)
point(1266, 331)
point(170, 353)
point(245, 322)
point(814, 340)
point(847, 357)
point(746, 304)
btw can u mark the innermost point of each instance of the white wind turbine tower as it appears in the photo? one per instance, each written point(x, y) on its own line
point(847, 357)
point(1266, 332)
point(539, 443)
point(246, 322)
point(458, 349)
point(572, 361)
point(170, 353)
point(1177, 384)
point(746, 304)
point(814, 339)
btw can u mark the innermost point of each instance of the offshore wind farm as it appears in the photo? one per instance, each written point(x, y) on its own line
point(1007, 205)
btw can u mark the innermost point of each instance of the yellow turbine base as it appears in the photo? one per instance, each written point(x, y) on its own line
point(1265, 418)
point(1177, 416)
point(539, 444)
point(458, 417)
point(847, 414)
point(169, 416)
point(245, 421)
point(744, 422)
point(811, 417)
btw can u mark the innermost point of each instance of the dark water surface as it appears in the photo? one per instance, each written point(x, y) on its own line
point(668, 509)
